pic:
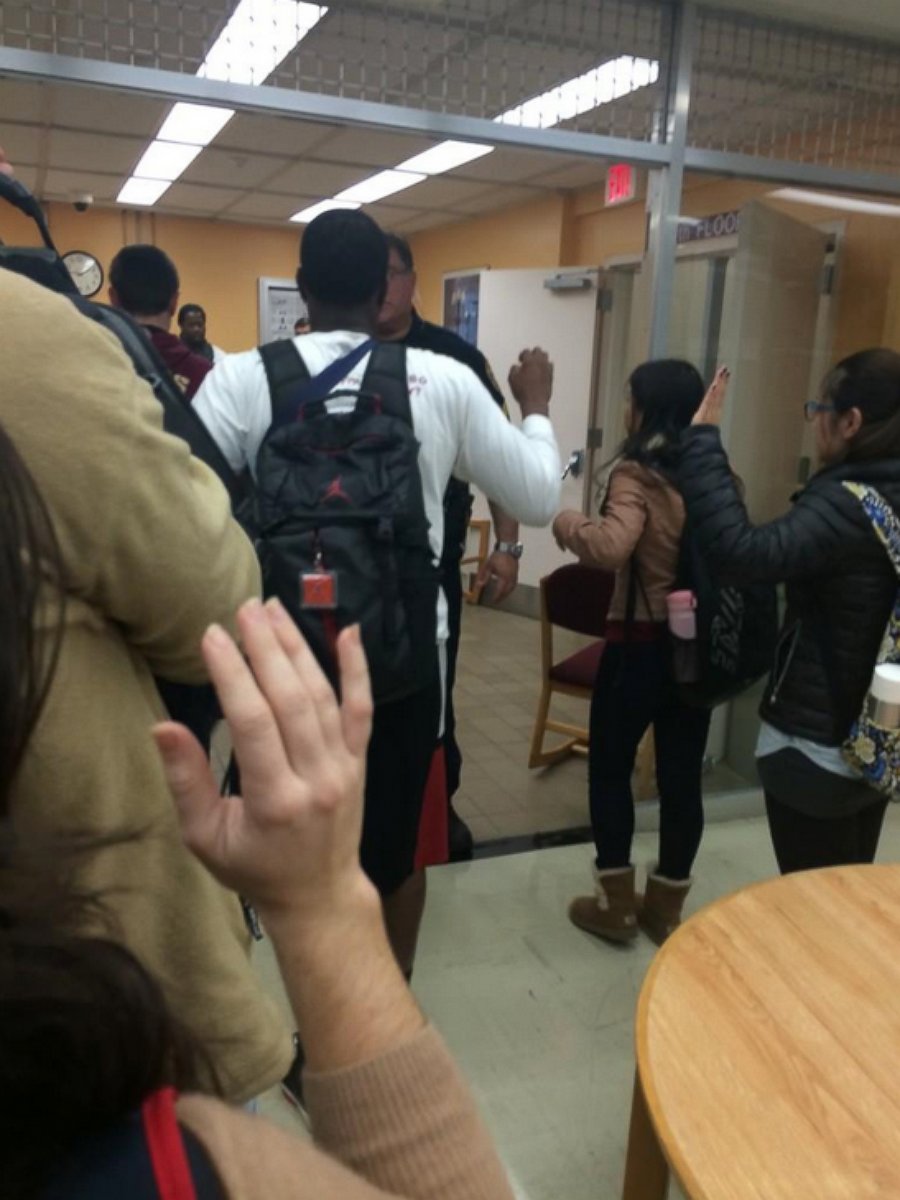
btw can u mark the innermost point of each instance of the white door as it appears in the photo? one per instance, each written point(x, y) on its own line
point(516, 311)
point(772, 296)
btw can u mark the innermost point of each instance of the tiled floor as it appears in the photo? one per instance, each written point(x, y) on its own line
point(497, 690)
point(539, 1015)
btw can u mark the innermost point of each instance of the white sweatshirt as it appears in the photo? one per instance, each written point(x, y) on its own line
point(460, 429)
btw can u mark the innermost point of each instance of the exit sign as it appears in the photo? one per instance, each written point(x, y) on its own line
point(621, 184)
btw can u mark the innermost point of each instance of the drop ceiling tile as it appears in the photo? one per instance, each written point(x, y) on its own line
point(22, 143)
point(493, 199)
point(28, 176)
point(372, 147)
point(233, 168)
point(579, 175)
point(441, 191)
point(390, 216)
point(64, 185)
point(101, 110)
point(428, 221)
point(313, 178)
point(203, 201)
point(285, 136)
point(512, 166)
point(264, 206)
point(22, 101)
point(94, 152)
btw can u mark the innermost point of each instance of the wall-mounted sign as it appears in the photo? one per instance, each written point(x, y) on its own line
point(724, 224)
point(280, 305)
point(621, 184)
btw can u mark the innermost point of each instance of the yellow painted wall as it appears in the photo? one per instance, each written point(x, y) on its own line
point(529, 235)
point(219, 262)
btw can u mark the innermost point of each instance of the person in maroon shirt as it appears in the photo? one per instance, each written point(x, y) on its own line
point(144, 283)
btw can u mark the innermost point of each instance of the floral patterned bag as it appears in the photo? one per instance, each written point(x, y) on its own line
point(872, 749)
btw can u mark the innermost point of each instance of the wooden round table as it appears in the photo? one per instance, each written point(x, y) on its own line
point(768, 1046)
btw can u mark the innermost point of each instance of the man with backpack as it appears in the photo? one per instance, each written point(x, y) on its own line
point(349, 515)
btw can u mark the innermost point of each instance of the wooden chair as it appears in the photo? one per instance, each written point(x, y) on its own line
point(483, 529)
point(577, 598)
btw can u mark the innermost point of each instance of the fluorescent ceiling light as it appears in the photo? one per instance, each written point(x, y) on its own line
point(315, 210)
point(165, 160)
point(610, 81)
point(844, 203)
point(195, 124)
point(260, 34)
point(444, 157)
point(142, 191)
point(376, 187)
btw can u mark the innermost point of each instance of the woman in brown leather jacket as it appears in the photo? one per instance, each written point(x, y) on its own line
point(638, 536)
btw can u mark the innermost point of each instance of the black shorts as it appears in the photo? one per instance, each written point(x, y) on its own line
point(404, 737)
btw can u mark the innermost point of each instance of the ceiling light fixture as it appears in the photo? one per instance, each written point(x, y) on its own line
point(258, 37)
point(142, 191)
point(610, 81)
point(376, 187)
point(194, 124)
point(165, 160)
point(446, 156)
point(874, 208)
point(315, 210)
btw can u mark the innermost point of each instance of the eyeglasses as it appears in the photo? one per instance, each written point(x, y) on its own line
point(398, 272)
point(812, 408)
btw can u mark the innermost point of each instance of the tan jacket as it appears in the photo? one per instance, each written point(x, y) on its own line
point(642, 517)
point(151, 556)
point(403, 1125)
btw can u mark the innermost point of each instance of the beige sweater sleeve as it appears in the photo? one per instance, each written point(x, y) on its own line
point(146, 529)
point(610, 542)
point(404, 1125)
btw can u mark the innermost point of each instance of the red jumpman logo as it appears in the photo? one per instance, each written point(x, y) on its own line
point(335, 491)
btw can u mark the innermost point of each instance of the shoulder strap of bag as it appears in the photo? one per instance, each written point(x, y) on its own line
point(882, 517)
point(386, 377)
point(168, 1156)
point(291, 386)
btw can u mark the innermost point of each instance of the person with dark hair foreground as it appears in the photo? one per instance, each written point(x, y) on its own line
point(192, 330)
point(342, 278)
point(91, 1054)
point(143, 282)
point(398, 321)
point(840, 588)
point(638, 536)
point(150, 556)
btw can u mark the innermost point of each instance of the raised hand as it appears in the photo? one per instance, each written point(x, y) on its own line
point(290, 842)
point(710, 410)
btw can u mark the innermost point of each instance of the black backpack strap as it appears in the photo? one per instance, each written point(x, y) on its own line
point(386, 377)
point(285, 371)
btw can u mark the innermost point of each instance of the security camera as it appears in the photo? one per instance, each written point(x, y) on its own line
point(83, 201)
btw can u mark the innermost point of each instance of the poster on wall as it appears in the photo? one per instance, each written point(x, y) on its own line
point(280, 307)
point(461, 294)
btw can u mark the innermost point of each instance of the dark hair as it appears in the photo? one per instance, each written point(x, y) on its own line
point(343, 259)
point(667, 393)
point(85, 1033)
point(188, 310)
point(402, 248)
point(869, 381)
point(145, 279)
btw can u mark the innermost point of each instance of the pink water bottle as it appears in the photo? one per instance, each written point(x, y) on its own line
point(683, 615)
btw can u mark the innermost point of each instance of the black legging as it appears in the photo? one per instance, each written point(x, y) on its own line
point(633, 691)
point(802, 842)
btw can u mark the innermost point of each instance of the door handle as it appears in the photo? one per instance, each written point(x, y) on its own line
point(575, 465)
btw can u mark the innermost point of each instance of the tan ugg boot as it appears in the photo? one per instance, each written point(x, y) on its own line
point(659, 909)
point(611, 912)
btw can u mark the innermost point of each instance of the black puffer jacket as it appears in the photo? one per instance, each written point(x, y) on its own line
point(840, 583)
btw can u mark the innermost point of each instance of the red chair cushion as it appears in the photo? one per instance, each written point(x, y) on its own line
point(579, 669)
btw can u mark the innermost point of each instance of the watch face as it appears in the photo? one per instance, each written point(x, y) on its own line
point(85, 270)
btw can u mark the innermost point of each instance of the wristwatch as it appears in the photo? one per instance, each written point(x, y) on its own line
point(516, 549)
